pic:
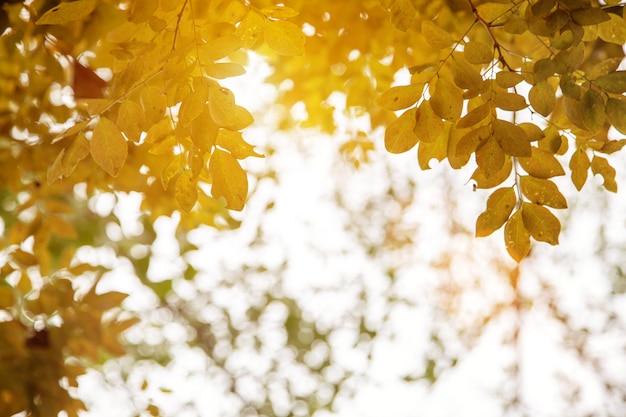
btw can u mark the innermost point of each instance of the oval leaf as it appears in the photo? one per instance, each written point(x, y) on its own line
point(229, 180)
point(108, 147)
point(516, 237)
point(500, 205)
point(399, 135)
point(541, 223)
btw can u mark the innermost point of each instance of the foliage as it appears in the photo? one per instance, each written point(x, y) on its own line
point(106, 97)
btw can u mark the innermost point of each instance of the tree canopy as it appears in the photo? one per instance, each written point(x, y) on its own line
point(110, 97)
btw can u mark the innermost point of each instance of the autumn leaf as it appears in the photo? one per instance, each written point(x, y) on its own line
point(67, 12)
point(542, 191)
point(517, 237)
point(108, 147)
point(284, 37)
point(500, 205)
point(541, 223)
point(186, 191)
point(229, 180)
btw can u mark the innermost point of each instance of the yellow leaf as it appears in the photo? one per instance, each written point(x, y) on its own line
point(67, 12)
point(219, 48)
point(61, 227)
point(542, 97)
point(77, 151)
point(541, 223)
point(512, 139)
point(509, 101)
point(436, 37)
point(516, 237)
point(508, 79)
point(579, 165)
point(542, 191)
point(399, 135)
point(108, 147)
point(601, 166)
point(438, 149)
point(229, 180)
point(500, 205)
point(490, 158)
point(203, 130)
point(55, 171)
point(186, 191)
point(193, 105)
point(465, 76)
point(447, 99)
point(492, 11)
point(474, 116)
point(154, 104)
point(285, 38)
point(469, 142)
point(613, 30)
point(428, 126)
point(495, 179)
point(131, 120)
point(170, 171)
point(541, 164)
point(233, 142)
point(250, 29)
point(477, 52)
point(400, 97)
point(616, 113)
point(142, 10)
point(589, 16)
point(105, 301)
point(279, 12)
point(402, 14)
point(225, 112)
point(593, 110)
point(222, 70)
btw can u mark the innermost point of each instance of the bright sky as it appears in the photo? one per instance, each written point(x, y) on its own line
point(450, 282)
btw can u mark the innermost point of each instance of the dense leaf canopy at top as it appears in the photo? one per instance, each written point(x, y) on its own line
point(126, 96)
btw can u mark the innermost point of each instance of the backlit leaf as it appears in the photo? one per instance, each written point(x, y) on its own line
point(186, 191)
point(500, 205)
point(402, 14)
point(490, 158)
point(222, 70)
point(55, 171)
point(482, 181)
point(516, 237)
point(474, 116)
point(399, 135)
point(492, 11)
point(225, 112)
point(234, 142)
point(170, 171)
point(601, 166)
point(447, 99)
point(203, 130)
point(613, 30)
point(108, 147)
point(77, 151)
point(510, 101)
point(614, 82)
point(142, 10)
point(542, 191)
point(438, 150)
point(616, 113)
point(131, 120)
point(428, 125)
point(67, 12)
point(477, 52)
point(508, 79)
point(579, 165)
point(593, 110)
point(542, 98)
point(400, 97)
point(279, 12)
point(284, 37)
point(541, 223)
point(541, 164)
point(193, 105)
point(511, 138)
point(229, 180)
point(436, 37)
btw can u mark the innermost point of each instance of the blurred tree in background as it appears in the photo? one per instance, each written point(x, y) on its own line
point(126, 157)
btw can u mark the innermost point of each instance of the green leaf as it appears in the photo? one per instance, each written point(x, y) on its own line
point(516, 237)
point(542, 191)
point(541, 164)
point(67, 12)
point(542, 225)
point(399, 135)
point(500, 205)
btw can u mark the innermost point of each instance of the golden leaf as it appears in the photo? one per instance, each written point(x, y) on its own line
point(225, 112)
point(601, 166)
point(77, 151)
point(203, 130)
point(613, 30)
point(399, 135)
point(279, 12)
point(447, 99)
point(579, 165)
point(172, 168)
point(186, 191)
point(219, 47)
point(593, 110)
point(229, 180)
point(495, 179)
point(285, 38)
point(490, 158)
point(436, 37)
point(402, 14)
point(222, 70)
point(108, 147)
point(193, 105)
point(509, 101)
point(476, 52)
point(542, 191)
point(474, 116)
point(438, 149)
point(131, 120)
point(516, 237)
point(142, 10)
point(541, 164)
point(154, 104)
point(400, 97)
point(250, 29)
point(428, 126)
point(508, 79)
point(541, 223)
point(233, 142)
point(55, 171)
point(512, 139)
point(67, 12)
point(614, 82)
point(500, 205)
point(616, 113)
point(542, 97)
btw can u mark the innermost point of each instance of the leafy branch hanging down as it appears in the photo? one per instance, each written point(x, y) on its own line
point(517, 86)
